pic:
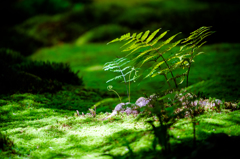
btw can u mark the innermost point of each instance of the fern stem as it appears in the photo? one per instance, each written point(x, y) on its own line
point(188, 72)
point(164, 74)
point(169, 69)
point(166, 64)
point(123, 78)
point(129, 85)
point(166, 79)
point(189, 66)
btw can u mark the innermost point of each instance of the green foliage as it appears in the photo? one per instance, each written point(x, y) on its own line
point(37, 32)
point(46, 6)
point(145, 48)
point(117, 66)
point(155, 52)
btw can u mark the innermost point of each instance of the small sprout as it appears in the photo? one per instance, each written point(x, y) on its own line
point(110, 89)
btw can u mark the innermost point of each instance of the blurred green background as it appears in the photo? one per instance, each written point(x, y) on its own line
point(76, 32)
point(42, 23)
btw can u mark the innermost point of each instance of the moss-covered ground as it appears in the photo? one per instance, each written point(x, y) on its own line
point(47, 126)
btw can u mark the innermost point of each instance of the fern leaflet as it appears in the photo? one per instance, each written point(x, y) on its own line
point(146, 42)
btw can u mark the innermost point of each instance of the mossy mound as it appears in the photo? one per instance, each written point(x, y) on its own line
point(25, 76)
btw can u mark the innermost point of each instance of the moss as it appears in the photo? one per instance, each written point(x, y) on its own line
point(22, 75)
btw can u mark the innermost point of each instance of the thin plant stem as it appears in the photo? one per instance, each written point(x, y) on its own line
point(164, 74)
point(188, 72)
point(166, 64)
point(110, 89)
point(123, 78)
point(189, 66)
point(129, 85)
point(118, 95)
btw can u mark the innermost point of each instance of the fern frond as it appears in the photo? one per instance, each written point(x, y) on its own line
point(145, 35)
point(119, 60)
point(133, 79)
point(178, 76)
point(123, 37)
point(161, 72)
point(156, 66)
point(134, 35)
point(201, 44)
point(152, 36)
point(142, 47)
point(181, 80)
point(122, 70)
point(168, 41)
point(139, 35)
point(132, 40)
point(177, 65)
point(197, 36)
point(156, 53)
point(115, 78)
point(137, 48)
point(110, 67)
point(137, 63)
point(133, 46)
point(143, 53)
point(158, 38)
point(119, 65)
point(148, 59)
point(169, 48)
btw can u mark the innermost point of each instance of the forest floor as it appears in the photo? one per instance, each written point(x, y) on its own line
point(46, 126)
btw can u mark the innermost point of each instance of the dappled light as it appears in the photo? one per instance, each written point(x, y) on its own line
point(119, 79)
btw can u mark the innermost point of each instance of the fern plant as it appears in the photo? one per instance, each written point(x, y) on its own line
point(155, 51)
point(117, 66)
point(144, 48)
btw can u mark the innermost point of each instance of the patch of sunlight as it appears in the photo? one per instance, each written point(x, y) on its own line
point(94, 68)
point(215, 121)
